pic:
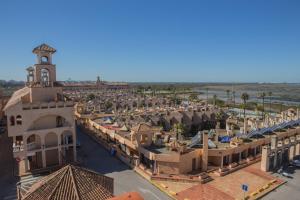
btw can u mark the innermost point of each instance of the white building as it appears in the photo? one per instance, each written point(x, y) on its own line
point(40, 119)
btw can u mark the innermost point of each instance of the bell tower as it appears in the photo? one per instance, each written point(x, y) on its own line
point(43, 74)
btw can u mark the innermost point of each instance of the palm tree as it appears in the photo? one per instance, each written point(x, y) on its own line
point(263, 95)
point(270, 101)
point(215, 99)
point(245, 98)
point(179, 128)
point(233, 95)
point(206, 96)
point(227, 93)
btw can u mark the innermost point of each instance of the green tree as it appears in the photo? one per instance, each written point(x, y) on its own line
point(262, 96)
point(179, 129)
point(193, 97)
point(245, 98)
point(91, 96)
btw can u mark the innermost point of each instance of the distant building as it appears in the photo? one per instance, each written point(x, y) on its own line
point(93, 85)
point(39, 119)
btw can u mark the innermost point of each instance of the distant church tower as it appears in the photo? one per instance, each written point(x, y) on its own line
point(98, 83)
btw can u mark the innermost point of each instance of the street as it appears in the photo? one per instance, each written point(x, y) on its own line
point(290, 190)
point(96, 158)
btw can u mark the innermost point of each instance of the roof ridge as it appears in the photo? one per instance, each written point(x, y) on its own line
point(74, 182)
point(58, 183)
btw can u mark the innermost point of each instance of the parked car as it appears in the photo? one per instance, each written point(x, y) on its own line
point(296, 163)
point(284, 173)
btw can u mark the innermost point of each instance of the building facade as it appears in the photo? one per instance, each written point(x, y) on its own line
point(40, 119)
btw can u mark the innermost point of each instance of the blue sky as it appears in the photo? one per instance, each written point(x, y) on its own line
point(155, 40)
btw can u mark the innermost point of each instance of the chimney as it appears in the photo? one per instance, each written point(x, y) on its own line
point(205, 150)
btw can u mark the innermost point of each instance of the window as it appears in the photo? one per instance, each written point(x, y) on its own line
point(12, 120)
point(59, 121)
point(44, 59)
point(45, 77)
point(19, 120)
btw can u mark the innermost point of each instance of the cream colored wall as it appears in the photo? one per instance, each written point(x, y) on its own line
point(167, 167)
point(44, 94)
point(51, 140)
point(186, 160)
point(29, 117)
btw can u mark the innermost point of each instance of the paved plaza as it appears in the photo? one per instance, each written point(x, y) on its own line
point(224, 188)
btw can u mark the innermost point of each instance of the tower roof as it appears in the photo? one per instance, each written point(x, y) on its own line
point(72, 182)
point(44, 47)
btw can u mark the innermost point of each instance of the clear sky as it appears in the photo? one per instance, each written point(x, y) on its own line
point(155, 40)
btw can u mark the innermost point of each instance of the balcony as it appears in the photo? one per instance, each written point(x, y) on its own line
point(30, 147)
point(52, 104)
point(17, 148)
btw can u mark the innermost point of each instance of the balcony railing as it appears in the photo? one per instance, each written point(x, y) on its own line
point(30, 147)
point(17, 148)
point(53, 104)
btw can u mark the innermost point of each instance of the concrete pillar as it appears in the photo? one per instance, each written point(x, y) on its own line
point(254, 151)
point(222, 157)
point(297, 149)
point(291, 152)
point(59, 150)
point(274, 141)
point(43, 151)
point(275, 159)
point(26, 162)
point(74, 144)
point(240, 156)
point(205, 151)
point(44, 158)
point(264, 164)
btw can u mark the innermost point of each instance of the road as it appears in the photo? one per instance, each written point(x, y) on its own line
point(290, 190)
point(96, 158)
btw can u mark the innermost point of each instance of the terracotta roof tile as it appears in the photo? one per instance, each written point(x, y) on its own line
point(44, 47)
point(72, 182)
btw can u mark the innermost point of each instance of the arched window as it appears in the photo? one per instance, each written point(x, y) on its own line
point(12, 120)
point(59, 121)
point(45, 77)
point(44, 59)
point(19, 120)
